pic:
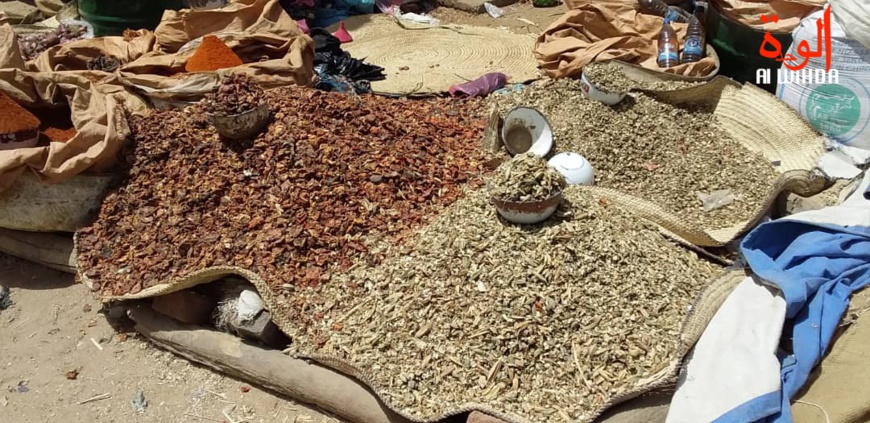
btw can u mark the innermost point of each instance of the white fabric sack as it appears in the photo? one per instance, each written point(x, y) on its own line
point(839, 110)
point(854, 16)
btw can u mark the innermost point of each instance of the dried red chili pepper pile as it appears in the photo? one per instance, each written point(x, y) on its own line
point(293, 204)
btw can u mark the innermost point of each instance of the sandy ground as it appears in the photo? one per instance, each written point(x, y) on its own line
point(49, 332)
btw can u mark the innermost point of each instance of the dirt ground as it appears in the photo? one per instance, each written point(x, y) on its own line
point(50, 331)
point(520, 18)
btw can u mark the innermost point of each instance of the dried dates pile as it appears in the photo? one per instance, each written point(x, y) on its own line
point(299, 202)
point(237, 93)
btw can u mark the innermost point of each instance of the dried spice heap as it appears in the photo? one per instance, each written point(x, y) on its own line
point(211, 55)
point(608, 77)
point(526, 177)
point(33, 44)
point(653, 150)
point(237, 93)
point(330, 173)
point(104, 63)
point(547, 323)
point(16, 123)
point(59, 134)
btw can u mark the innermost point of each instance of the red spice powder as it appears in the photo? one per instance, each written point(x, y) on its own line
point(14, 118)
point(58, 134)
point(211, 55)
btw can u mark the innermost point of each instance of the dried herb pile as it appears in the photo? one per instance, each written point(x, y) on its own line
point(526, 177)
point(547, 322)
point(297, 203)
point(608, 77)
point(653, 150)
point(104, 63)
point(237, 93)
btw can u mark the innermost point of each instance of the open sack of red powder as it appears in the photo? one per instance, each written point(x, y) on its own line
point(195, 70)
point(87, 142)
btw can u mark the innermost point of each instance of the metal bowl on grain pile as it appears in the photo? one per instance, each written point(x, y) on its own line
point(528, 212)
point(594, 92)
point(527, 130)
point(242, 125)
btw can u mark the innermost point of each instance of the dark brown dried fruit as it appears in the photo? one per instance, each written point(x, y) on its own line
point(295, 205)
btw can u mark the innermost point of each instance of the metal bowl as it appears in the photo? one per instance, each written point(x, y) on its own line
point(592, 91)
point(528, 212)
point(243, 125)
point(527, 130)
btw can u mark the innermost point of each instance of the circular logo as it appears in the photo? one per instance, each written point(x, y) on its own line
point(833, 109)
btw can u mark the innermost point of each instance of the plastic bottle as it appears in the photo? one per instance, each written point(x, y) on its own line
point(660, 8)
point(696, 42)
point(669, 49)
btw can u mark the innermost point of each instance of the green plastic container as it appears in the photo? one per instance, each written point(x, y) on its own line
point(112, 17)
point(738, 46)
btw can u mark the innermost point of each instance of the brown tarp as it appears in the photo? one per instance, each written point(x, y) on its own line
point(789, 12)
point(272, 60)
point(597, 30)
point(74, 56)
point(177, 28)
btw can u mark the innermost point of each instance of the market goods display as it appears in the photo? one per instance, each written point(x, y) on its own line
point(296, 203)
point(211, 55)
point(237, 93)
point(104, 63)
point(608, 77)
point(16, 123)
point(526, 177)
point(33, 44)
point(547, 322)
point(660, 152)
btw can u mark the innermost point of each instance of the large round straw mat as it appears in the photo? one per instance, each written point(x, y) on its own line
point(423, 60)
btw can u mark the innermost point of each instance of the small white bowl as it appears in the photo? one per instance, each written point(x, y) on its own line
point(527, 130)
point(594, 93)
point(574, 167)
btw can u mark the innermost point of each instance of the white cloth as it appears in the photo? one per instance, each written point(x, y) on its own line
point(734, 361)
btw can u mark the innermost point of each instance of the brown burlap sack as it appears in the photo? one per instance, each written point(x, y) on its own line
point(705, 306)
point(74, 56)
point(597, 30)
point(273, 60)
point(789, 12)
point(177, 28)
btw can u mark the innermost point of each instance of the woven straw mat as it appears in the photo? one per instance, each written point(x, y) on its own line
point(427, 60)
point(763, 124)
